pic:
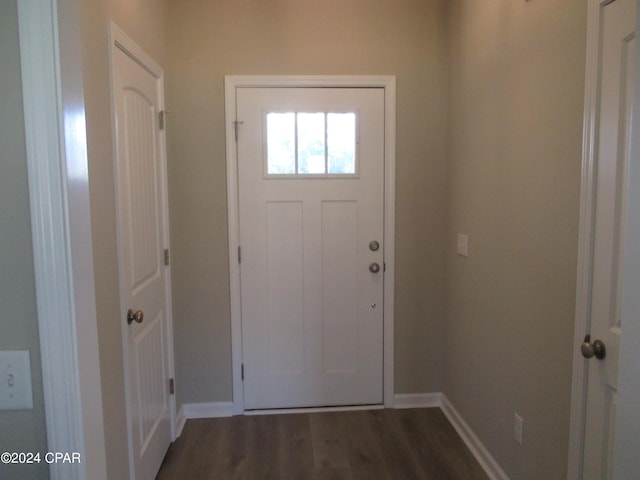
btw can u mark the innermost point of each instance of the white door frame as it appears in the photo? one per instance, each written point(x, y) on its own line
point(626, 462)
point(120, 40)
point(61, 229)
point(585, 240)
point(388, 83)
point(585, 244)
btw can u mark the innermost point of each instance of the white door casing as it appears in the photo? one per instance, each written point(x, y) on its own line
point(233, 84)
point(627, 441)
point(311, 307)
point(605, 180)
point(142, 240)
point(56, 143)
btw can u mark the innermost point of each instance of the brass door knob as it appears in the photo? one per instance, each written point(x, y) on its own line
point(138, 316)
point(595, 349)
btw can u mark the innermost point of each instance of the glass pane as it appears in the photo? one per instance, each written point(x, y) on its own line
point(311, 151)
point(341, 142)
point(281, 143)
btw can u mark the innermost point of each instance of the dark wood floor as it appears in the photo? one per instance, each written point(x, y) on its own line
point(373, 444)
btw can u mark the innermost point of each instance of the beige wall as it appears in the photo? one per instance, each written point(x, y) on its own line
point(517, 83)
point(504, 169)
point(208, 40)
point(20, 430)
point(142, 20)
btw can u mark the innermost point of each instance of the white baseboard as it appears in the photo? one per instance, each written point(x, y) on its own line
point(279, 411)
point(417, 400)
point(482, 455)
point(202, 410)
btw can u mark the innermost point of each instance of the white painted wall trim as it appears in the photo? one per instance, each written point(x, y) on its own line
point(61, 228)
point(279, 411)
point(389, 85)
point(626, 462)
point(123, 41)
point(479, 451)
point(585, 244)
point(202, 410)
point(417, 400)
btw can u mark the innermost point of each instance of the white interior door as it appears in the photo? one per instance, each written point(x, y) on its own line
point(138, 96)
point(616, 69)
point(311, 171)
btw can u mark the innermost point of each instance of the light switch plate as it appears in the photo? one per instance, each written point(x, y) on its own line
point(463, 245)
point(15, 380)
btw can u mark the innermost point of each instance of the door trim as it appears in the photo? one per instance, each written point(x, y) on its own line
point(577, 419)
point(53, 102)
point(626, 462)
point(388, 83)
point(118, 39)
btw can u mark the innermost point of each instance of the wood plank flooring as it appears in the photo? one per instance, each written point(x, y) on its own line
point(367, 445)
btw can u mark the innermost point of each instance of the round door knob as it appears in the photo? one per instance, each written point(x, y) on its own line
point(374, 246)
point(374, 267)
point(595, 349)
point(138, 316)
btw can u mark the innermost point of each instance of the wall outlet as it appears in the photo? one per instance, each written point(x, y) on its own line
point(463, 245)
point(518, 425)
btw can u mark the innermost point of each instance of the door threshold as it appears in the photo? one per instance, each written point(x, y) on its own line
point(341, 408)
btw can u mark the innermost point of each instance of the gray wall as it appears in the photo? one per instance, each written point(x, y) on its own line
point(20, 430)
point(208, 40)
point(517, 86)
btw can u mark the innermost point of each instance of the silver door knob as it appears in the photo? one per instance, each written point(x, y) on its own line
point(374, 267)
point(595, 349)
point(137, 316)
point(374, 246)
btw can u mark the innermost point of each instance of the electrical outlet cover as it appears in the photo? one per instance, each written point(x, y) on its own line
point(463, 245)
point(15, 380)
point(518, 424)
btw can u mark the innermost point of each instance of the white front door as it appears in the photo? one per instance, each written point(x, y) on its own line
point(311, 178)
point(141, 233)
point(613, 128)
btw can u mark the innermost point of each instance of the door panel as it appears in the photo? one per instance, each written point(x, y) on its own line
point(285, 287)
point(310, 201)
point(613, 129)
point(139, 143)
point(137, 94)
point(148, 347)
point(339, 286)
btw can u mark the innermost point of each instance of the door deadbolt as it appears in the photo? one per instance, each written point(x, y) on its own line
point(138, 316)
point(595, 349)
point(374, 246)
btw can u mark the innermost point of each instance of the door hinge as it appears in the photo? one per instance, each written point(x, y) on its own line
point(239, 254)
point(242, 372)
point(236, 124)
point(166, 256)
point(172, 387)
